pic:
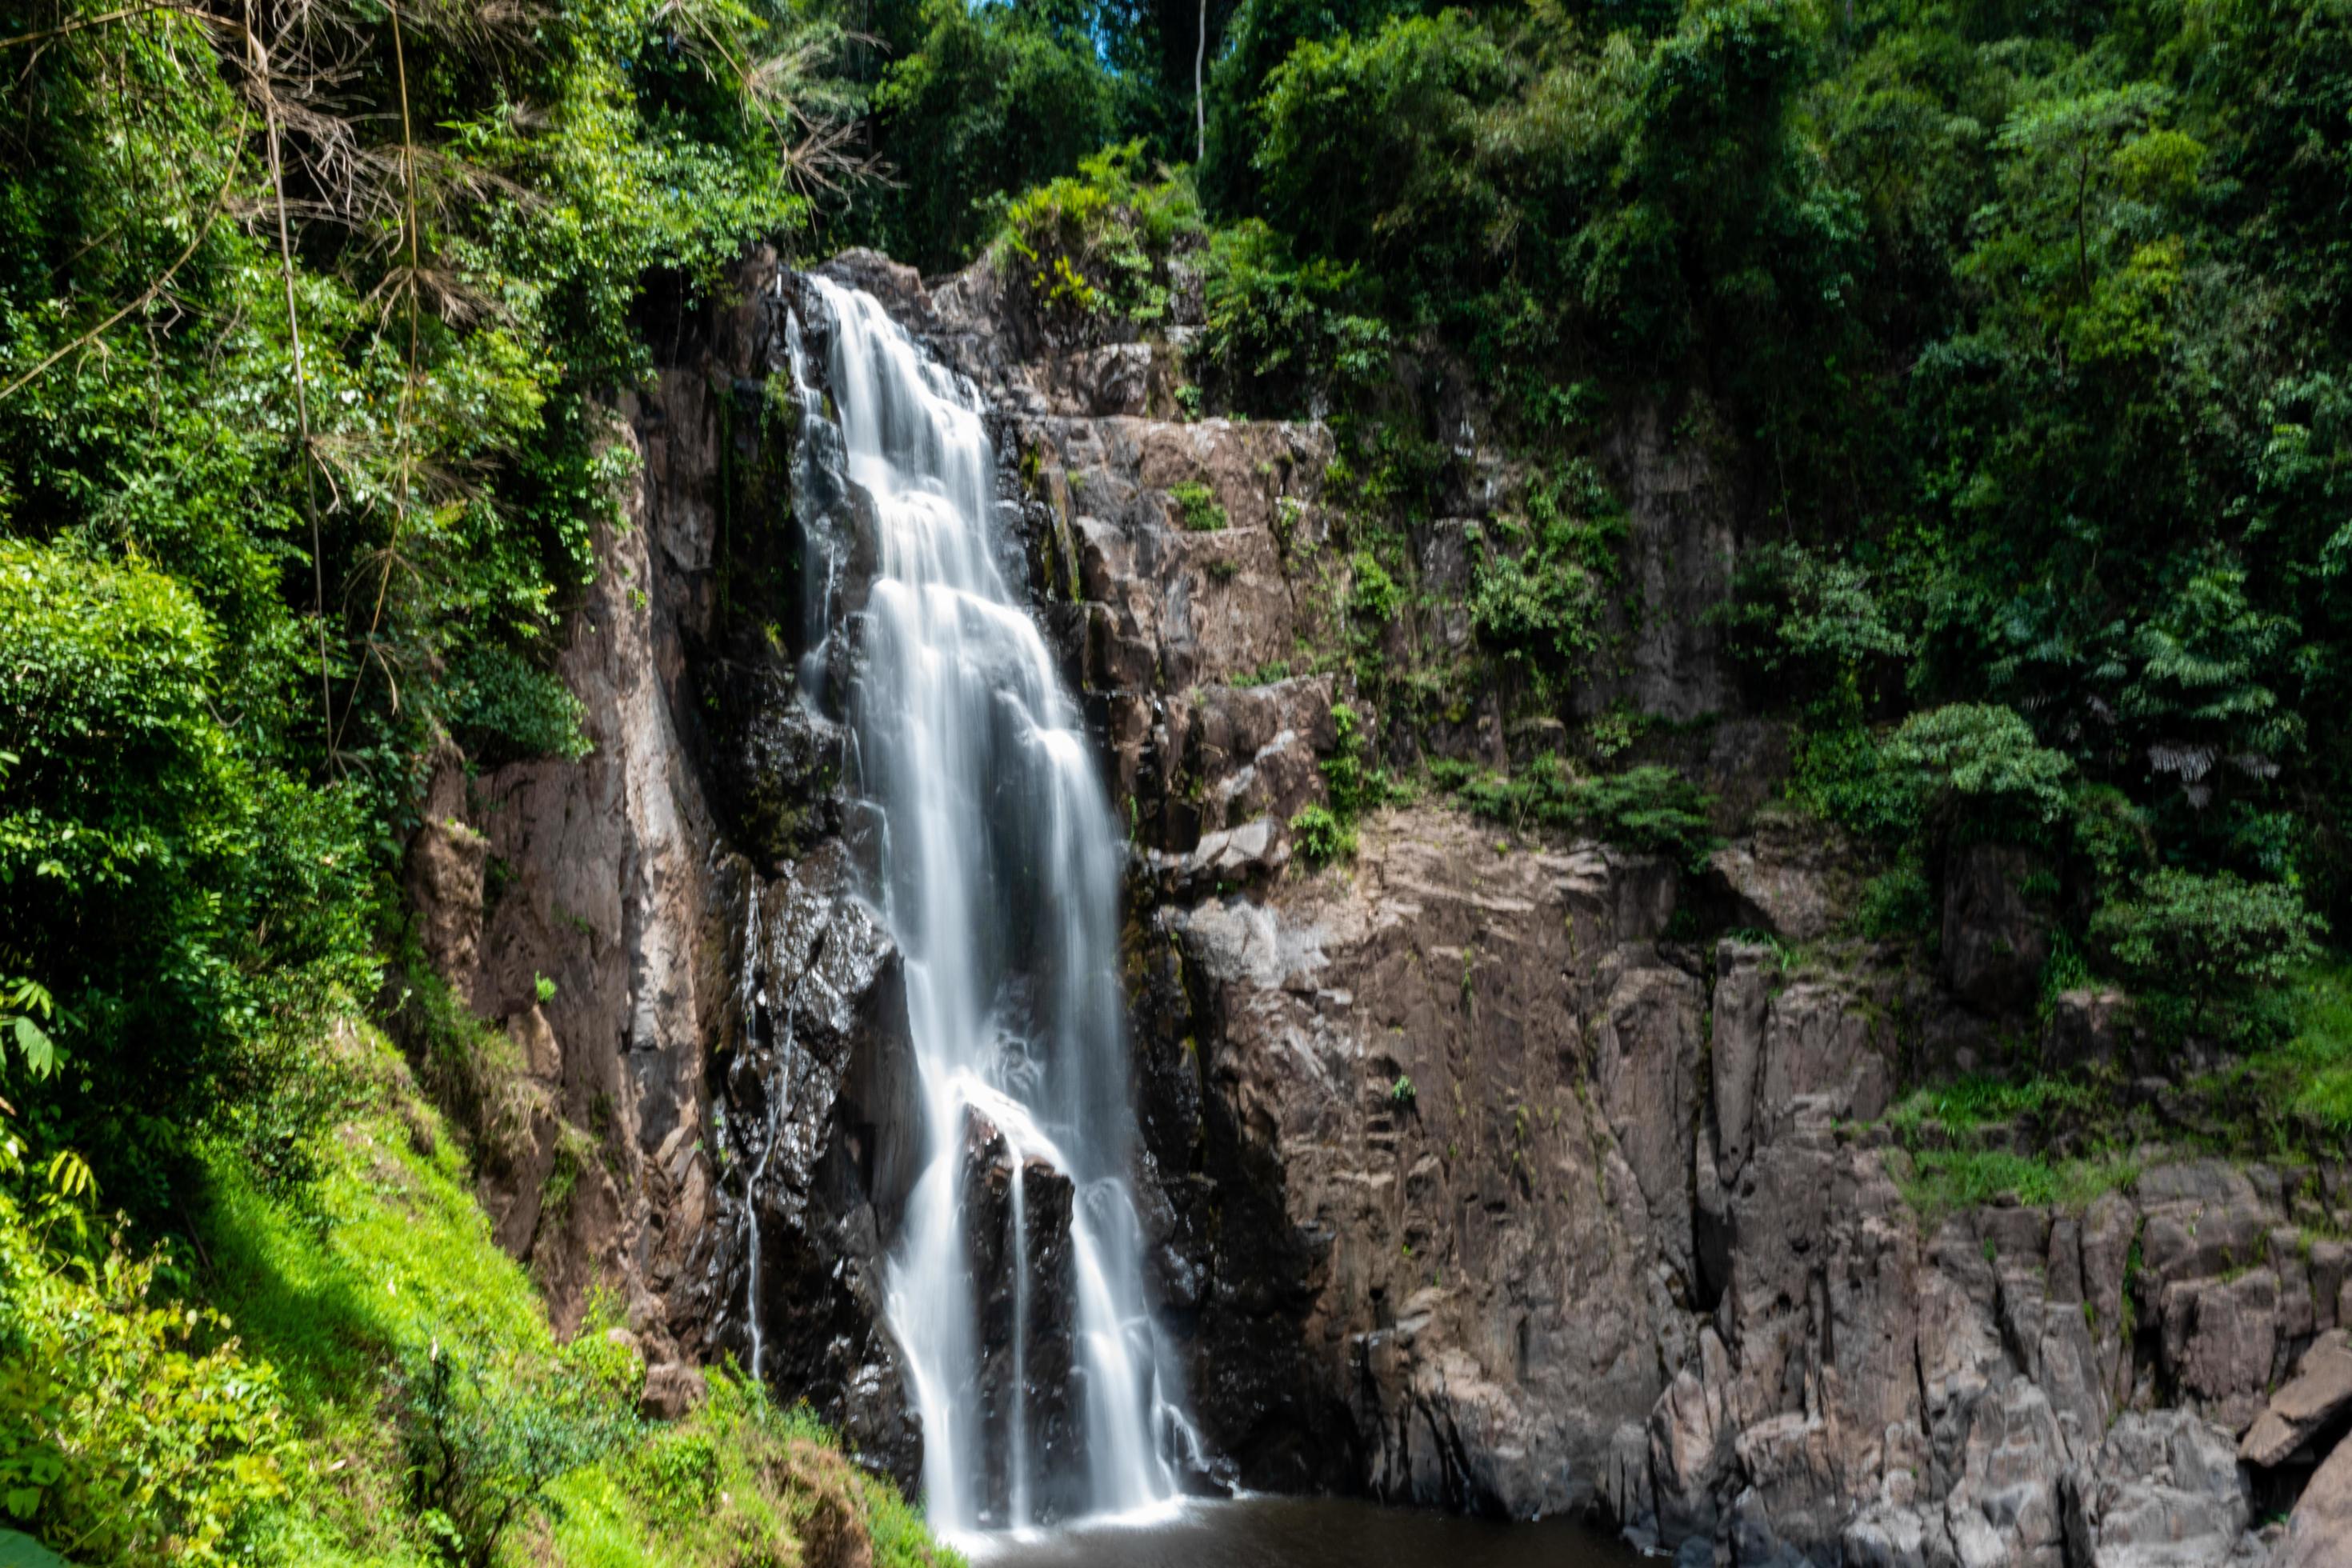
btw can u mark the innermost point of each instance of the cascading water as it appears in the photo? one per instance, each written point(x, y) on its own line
point(998, 870)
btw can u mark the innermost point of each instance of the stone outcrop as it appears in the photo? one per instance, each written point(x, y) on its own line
point(671, 931)
point(1481, 1189)
point(1485, 1169)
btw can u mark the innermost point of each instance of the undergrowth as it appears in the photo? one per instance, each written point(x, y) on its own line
point(348, 1371)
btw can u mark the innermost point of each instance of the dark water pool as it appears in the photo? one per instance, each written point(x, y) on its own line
point(1308, 1532)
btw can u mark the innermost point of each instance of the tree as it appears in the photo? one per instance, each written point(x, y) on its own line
point(2210, 940)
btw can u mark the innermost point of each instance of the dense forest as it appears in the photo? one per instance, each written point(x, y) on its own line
point(2025, 328)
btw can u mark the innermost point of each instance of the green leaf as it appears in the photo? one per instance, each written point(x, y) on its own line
point(33, 1043)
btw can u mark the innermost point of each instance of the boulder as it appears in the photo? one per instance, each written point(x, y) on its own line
point(672, 1391)
point(2319, 1531)
point(2218, 1337)
point(2319, 1396)
point(2161, 1490)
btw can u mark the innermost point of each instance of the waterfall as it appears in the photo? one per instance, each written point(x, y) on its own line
point(998, 867)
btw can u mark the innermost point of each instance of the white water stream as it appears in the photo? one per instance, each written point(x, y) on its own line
point(999, 880)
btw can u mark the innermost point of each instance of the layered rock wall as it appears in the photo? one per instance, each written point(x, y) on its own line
point(1485, 1169)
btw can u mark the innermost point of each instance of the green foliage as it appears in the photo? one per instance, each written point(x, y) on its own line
point(239, 605)
point(1650, 808)
point(502, 709)
point(1978, 773)
point(2308, 1077)
point(984, 102)
point(738, 1482)
point(134, 1429)
point(182, 912)
point(1968, 1143)
point(1279, 334)
point(345, 1284)
point(1098, 242)
point(2205, 940)
point(1807, 630)
point(26, 1005)
point(481, 1459)
point(1321, 836)
point(1198, 506)
point(1898, 903)
point(1539, 591)
point(1942, 1181)
point(1355, 784)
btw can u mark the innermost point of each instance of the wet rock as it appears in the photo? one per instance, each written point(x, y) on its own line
point(1226, 859)
point(1016, 1220)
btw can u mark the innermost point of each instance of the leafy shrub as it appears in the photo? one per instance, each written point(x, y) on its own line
point(1539, 592)
point(1979, 774)
point(191, 914)
point(2205, 940)
point(1650, 808)
point(1356, 785)
point(1373, 597)
point(991, 100)
point(503, 708)
point(1321, 836)
point(1196, 503)
point(1807, 628)
point(484, 1450)
point(1281, 336)
point(132, 1429)
point(1098, 242)
point(1897, 902)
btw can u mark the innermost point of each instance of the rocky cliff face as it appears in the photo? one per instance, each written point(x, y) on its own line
point(1485, 1169)
point(701, 1010)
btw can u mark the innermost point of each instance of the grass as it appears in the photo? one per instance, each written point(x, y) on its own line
point(385, 1252)
point(1949, 1165)
point(2290, 1101)
point(382, 1253)
point(2309, 1078)
point(1969, 1104)
point(740, 1481)
point(1942, 1181)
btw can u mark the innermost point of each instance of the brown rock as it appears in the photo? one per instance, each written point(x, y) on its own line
point(447, 860)
point(672, 1389)
point(2319, 1531)
point(2319, 1394)
point(2218, 1341)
